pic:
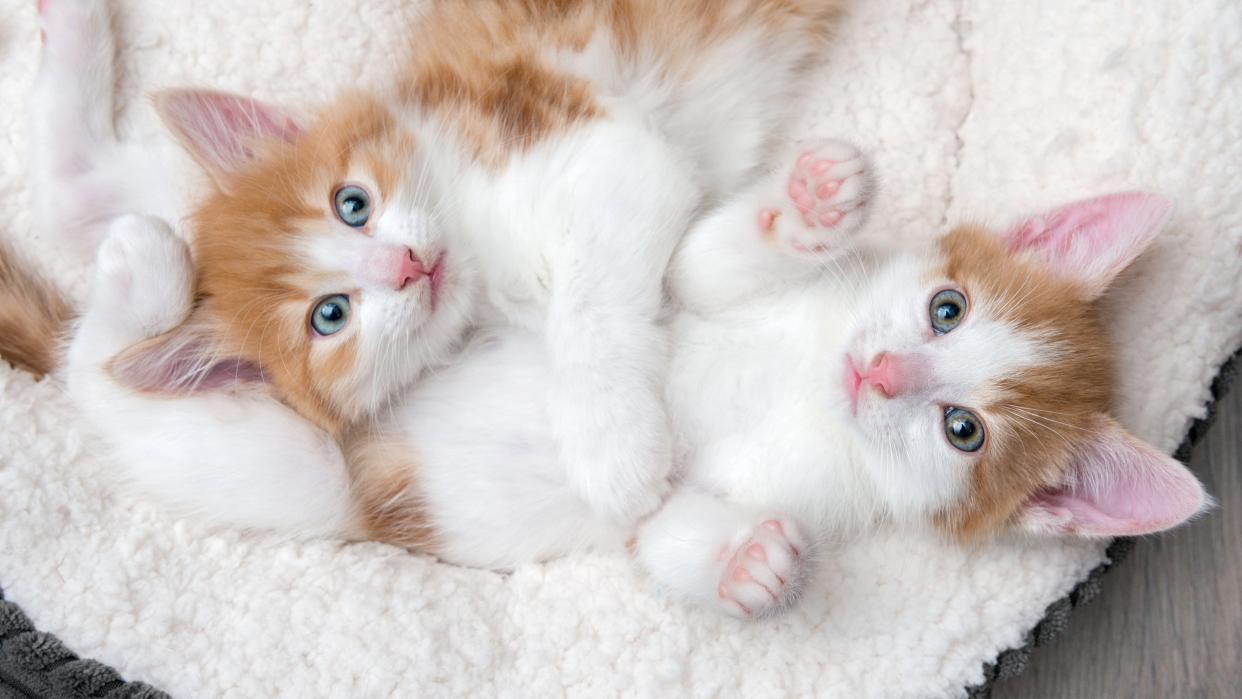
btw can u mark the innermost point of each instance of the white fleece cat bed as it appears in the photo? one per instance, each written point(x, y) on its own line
point(969, 108)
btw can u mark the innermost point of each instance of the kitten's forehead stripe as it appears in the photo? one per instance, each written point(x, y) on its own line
point(1041, 408)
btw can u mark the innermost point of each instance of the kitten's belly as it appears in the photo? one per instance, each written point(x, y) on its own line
point(487, 459)
point(760, 410)
point(581, 202)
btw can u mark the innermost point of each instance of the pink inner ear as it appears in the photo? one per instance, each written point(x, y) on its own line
point(221, 374)
point(1094, 240)
point(1118, 486)
point(180, 363)
point(222, 129)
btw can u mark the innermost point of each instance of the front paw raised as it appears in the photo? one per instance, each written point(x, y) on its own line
point(618, 456)
point(820, 203)
point(144, 276)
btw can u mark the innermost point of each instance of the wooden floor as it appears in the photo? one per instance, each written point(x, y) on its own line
point(1169, 621)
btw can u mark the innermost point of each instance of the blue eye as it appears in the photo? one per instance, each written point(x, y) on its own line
point(353, 205)
point(330, 315)
point(964, 429)
point(948, 309)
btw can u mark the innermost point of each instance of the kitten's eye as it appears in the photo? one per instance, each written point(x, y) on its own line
point(948, 309)
point(330, 315)
point(353, 205)
point(964, 429)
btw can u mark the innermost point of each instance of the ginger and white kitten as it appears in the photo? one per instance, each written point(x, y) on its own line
point(963, 388)
point(814, 392)
point(535, 163)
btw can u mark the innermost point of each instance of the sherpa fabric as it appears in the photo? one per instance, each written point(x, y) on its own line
point(970, 109)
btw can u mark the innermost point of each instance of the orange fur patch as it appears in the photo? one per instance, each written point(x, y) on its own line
point(383, 480)
point(32, 316)
point(482, 65)
point(1043, 409)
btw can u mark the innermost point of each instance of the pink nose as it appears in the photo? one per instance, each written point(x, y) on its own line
point(407, 269)
point(885, 375)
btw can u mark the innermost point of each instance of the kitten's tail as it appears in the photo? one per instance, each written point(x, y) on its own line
point(33, 315)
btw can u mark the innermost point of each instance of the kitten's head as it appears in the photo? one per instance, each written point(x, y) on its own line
point(981, 375)
point(321, 266)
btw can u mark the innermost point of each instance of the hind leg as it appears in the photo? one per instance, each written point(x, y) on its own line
point(82, 176)
point(723, 555)
point(72, 101)
point(71, 119)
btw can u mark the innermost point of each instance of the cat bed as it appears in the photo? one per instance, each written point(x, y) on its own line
point(970, 109)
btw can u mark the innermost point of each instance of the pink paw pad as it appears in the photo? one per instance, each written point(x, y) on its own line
point(767, 220)
point(821, 200)
point(812, 187)
point(763, 573)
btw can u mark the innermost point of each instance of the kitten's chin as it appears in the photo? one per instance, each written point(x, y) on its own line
point(867, 420)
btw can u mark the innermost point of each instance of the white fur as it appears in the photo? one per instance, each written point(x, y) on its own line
point(398, 333)
point(238, 458)
point(581, 260)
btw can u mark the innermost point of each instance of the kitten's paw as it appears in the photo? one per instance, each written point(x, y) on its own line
point(144, 275)
point(822, 200)
point(621, 470)
point(764, 574)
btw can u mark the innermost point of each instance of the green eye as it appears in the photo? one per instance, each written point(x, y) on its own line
point(330, 315)
point(948, 309)
point(964, 429)
point(353, 205)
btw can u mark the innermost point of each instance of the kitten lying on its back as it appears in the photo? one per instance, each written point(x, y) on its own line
point(964, 387)
point(535, 164)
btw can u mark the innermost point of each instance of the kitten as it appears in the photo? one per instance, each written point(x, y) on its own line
point(963, 388)
point(535, 164)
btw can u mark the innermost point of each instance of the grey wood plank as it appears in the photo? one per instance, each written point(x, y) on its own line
point(1169, 621)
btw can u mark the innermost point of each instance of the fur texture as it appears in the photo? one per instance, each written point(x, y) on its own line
point(32, 316)
point(893, 616)
point(1028, 368)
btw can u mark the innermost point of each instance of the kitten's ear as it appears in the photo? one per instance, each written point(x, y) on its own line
point(222, 130)
point(1092, 241)
point(182, 361)
point(1116, 486)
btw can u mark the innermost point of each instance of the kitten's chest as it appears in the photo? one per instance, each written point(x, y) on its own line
point(759, 400)
point(574, 206)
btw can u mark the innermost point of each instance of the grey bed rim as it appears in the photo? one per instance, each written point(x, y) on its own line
point(36, 665)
